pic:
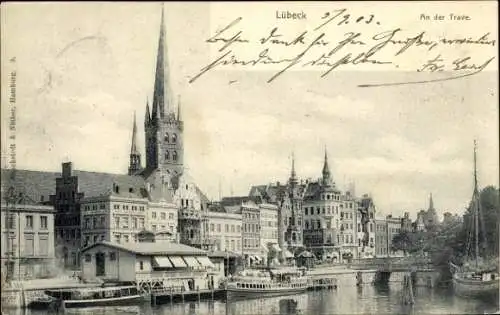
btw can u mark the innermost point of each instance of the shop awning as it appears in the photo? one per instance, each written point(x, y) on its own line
point(191, 261)
point(177, 261)
point(205, 261)
point(162, 262)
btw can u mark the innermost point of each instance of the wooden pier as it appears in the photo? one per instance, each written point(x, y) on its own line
point(169, 295)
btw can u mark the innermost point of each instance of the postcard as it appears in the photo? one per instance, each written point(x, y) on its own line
point(254, 157)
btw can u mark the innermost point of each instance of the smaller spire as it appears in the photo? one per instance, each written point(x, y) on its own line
point(431, 202)
point(326, 170)
point(133, 148)
point(147, 119)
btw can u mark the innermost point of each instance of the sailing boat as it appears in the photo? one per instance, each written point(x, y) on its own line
point(475, 277)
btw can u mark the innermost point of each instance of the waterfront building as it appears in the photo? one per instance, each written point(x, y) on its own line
point(225, 228)
point(252, 248)
point(393, 229)
point(149, 265)
point(381, 237)
point(27, 248)
point(420, 222)
point(323, 208)
point(268, 230)
point(386, 229)
point(406, 224)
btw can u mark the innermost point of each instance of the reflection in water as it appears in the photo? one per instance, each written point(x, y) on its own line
point(347, 299)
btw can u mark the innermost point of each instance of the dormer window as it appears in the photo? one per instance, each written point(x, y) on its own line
point(117, 189)
point(174, 138)
point(166, 138)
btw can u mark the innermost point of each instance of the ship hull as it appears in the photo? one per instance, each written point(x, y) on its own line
point(474, 287)
point(241, 293)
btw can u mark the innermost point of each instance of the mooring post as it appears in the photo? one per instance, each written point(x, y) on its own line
point(408, 297)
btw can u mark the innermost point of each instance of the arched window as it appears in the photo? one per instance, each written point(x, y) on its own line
point(166, 138)
point(307, 225)
point(174, 138)
point(167, 155)
point(174, 155)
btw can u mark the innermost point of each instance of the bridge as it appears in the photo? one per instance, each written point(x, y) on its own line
point(393, 264)
point(420, 269)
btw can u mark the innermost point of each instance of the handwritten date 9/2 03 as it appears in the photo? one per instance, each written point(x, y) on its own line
point(335, 17)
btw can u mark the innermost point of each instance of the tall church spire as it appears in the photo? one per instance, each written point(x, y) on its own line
point(162, 92)
point(135, 156)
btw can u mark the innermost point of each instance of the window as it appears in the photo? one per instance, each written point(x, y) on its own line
point(153, 227)
point(218, 227)
point(134, 220)
point(323, 210)
point(127, 238)
point(174, 138)
point(88, 258)
point(43, 222)
point(96, 238)
point(238, 228)
point(43, 244)
point(94, 222)
point(163, 216)
point(167, 155)
point(125, 222)
point(29, 221)
point(103, 221)
point(153, 215)
point(117, 222)
point(141, 265)
point(212, 227)
point(166, 138)
point(174, 156)
point(87, 240)
point(141, 223)
point(227, 244)
point(11, 222)
point(117, 238)
point(171, 216)
point(306, 211)
point(112, 256)
point(29, 244)
point(232, 228)
point(232, 244)
point(227, 228)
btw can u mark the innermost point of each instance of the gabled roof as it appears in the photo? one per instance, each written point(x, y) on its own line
point(30, 186)
point(35, 184)
point(95, 184)
point(161, 248)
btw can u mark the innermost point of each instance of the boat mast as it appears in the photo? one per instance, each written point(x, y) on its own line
point(476, 214)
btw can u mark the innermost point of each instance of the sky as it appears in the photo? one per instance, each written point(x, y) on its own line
point(84, 69)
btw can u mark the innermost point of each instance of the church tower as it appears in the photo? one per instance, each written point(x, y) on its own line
point(163, 128)
point(135, 156)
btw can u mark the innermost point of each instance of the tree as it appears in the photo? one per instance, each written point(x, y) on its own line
point(402, 241)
